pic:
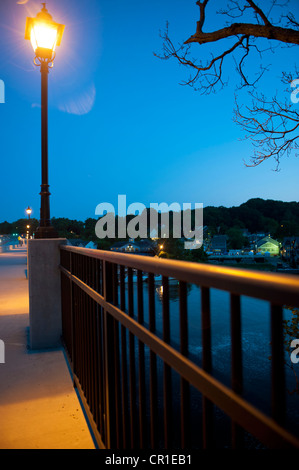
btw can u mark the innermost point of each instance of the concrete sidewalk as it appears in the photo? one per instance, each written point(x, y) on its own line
point(39, 408)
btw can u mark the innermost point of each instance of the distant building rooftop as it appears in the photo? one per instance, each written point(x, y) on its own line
point(219, 243)
point(145, 247)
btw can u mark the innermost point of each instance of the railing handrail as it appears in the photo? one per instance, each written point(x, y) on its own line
point(274, 287)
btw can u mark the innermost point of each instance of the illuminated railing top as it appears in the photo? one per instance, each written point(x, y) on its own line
point(273, 287)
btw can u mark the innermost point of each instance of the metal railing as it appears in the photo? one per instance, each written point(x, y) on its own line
point(129, 374)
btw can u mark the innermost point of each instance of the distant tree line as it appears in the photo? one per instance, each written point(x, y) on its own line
point(280, 219)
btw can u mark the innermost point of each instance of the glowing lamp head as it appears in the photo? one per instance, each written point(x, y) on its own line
point(28, 210)
point(44, 34)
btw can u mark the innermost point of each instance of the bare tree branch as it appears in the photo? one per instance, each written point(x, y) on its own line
point(259, 12)
point(272, 127)
point(277, 33)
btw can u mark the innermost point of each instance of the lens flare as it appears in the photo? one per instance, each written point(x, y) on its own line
point(83, 104)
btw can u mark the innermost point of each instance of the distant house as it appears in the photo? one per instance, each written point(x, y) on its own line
point(290, 250)
point(75, 242)
point(91, 245)
point(235, 252)
point(253, 238)
point(219, 244)
point(268, 245)
point(78, 242)
point(142, 247)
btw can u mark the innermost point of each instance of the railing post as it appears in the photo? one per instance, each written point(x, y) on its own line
point(206, 365)
point(72, 313)
point(237, 363)
point(109, 375)
point(185, 387)
point(278, 373)
point(153, 367)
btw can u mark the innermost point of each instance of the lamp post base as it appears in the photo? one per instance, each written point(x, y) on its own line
point(45, 232)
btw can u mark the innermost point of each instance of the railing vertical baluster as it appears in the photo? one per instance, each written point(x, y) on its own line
point(206, 364)
point(118, 410)
point(74, 332)
point(98, 276)
point(82, 267)
point(92, 355)
point(153, 365)
point(72, 352)
point(101, 403)
point(86, 332)
point(88, 358)
point(86, 363)
point(141, 366)
point(115, 283)
point(92, 284)
point(85, 317)
point(122, 288)
point(132, 364)
point(76, 363)
point(81, 328)
point(85, 269)
point(110, 424)
point(124, 369)
point(82, 331)
point(237, 369)
point(99, 353)
point(86, 342)
point(96, 359)
point(89, 271)
point(277, 357)
point(167, 390)
point(185, 388)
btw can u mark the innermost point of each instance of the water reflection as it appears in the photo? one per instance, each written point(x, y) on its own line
point(173, 290)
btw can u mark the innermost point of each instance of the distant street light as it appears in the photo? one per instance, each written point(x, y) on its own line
point(44, 35)
point(29, 212)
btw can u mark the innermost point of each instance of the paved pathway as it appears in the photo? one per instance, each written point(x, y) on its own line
point(39, 408)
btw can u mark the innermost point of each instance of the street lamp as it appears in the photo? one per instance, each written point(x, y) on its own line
point(29, 212)
point(44, 35)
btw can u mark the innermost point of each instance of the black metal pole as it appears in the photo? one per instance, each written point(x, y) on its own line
point(45, 230)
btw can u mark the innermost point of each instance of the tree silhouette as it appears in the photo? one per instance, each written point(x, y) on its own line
point(272, 124)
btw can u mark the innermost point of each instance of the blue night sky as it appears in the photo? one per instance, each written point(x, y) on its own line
point(119, 120)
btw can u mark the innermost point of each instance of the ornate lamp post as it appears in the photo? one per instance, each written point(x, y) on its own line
point(44, 35)
point(28, 212)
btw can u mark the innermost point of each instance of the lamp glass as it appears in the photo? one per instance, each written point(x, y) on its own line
point(43, 36)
